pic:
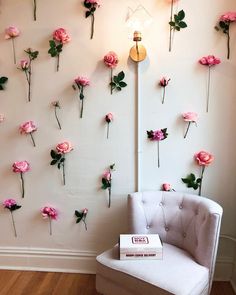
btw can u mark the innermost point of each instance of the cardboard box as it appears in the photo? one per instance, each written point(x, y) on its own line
point(140, 247)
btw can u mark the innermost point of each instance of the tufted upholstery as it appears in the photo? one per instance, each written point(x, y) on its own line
point(187, 224)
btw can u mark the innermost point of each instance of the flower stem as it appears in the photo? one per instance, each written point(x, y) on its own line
point(164, 93)
point(208, 88)
point(29, 81)
point(92, 25)
point(82, 101)
point(171, 18)
point(158, 153)
point(50, 225)
point(32, 138)
point(58, 122)
point(109, 195)
point(85, 225)
point(189, 123)
point(22, 185)
point(35, 10)
point(63, 173)
point(13, 223)
point(58, 62)
point(111, 80)
point(14, 50)
point(201, 177)
point(108, 127)
point(228, 44)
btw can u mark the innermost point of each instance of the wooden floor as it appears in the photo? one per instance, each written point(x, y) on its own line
point(43, 283)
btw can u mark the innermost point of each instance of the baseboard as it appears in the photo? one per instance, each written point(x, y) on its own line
point(224, 268)
point(53, 260)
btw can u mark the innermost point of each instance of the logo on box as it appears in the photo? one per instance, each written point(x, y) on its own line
point(140, 240)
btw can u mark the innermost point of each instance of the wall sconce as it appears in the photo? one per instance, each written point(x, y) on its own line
point(137, 21)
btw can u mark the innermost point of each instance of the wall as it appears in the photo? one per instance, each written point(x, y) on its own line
point(92, 151)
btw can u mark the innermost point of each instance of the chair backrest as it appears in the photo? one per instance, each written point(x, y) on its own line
point(187, 221)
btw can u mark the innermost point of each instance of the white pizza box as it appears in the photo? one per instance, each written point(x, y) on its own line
point(140, 247)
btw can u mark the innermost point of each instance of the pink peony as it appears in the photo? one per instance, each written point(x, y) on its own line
point(82, 81)
point(166, 187)
point(64, 147)
point(94, 2)
point(111, 59)
point(8, 203)
point(11, 32)
point(228, 17)
point(50, 212)
point(20, 167)
point(107, 175)
point(164, 81)
point(109, 117)
point(61, 36)
point(27, 127)
point(209, 60)
point(204, 158)
point(190, 117)
point(24, 64)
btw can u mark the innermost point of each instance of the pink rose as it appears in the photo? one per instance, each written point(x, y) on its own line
point(49, 211)
point(109, 117)
point(111, 59)
point(82, 81)
point(24, 64)
point(164, 81)
point(166, 187)
point(228, 17)
point(158, 135)
point(190, 117)
point(204, 158)
point(56, 103)
point(85, 211)
point(107, 175)
point(64, 147)
point(20, 167)
point(28, 127)
point(2, 118)
point(61, 36)
point(8, 203)
point(11, 32)
point(209, 60)
point(94, 2)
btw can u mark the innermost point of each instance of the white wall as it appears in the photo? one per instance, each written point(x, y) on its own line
point(92, 151)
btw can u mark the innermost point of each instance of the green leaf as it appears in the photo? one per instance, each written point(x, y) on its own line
point(58, 156)
point(52, 43)
point(53, 154)
point(81, 96)
point(93, 9)
point(112, 84)
point(53, 162)
point(59, 47)
point(1, 87)
point(176, 18)
point(3, 80)
point(195, 186)
point(182, 25)
point(53, 52)
point(185, 180)
point(172, 24)
point(199, 180)
point(177, 28)
point(192, 177)
point(181, 15)
point(122, 84)
point(121, 76)
point(118, 88)
point(87, 4)
point(116, 79)
point(222, 24)
point(18, 207)
point(87, 13)
point(79, 219)
point(59, 165)
point(77, 213)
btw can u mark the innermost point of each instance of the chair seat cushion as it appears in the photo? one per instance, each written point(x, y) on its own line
point(177, 273)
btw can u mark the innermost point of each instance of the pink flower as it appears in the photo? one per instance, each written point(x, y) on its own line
point(109, 117)
point(82, 81)
point(209, 60)
point(2, 118)
point(8, 203)
point(107, 175)
point(164, 81)
point(64, 147)
point(11, 32)
point(85, 211)
point(158, 135)
point(61, 36)
point(27, 127)
point(24, 64)
point(49, 212)
point(166, 187)
point(95, 2)
point(111, 59)
point(55, 103)
point(228, 17)
point(190, 117)
point(20, 167)
point(204, 158)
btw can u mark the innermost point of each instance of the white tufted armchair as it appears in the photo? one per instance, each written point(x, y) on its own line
point(189, 227)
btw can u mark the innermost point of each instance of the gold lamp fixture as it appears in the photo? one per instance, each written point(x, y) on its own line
point(138, 51)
